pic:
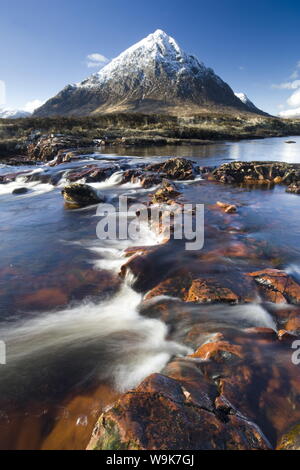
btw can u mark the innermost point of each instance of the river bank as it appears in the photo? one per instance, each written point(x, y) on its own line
point(128, 130)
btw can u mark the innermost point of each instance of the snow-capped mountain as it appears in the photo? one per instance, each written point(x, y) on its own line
point(13, 113)
point(251, 106)
point(153, 75)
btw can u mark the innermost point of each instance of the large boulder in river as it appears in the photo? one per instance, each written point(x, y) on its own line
point(161, 414)
point(175, 168)
point(21, 190)
point(81, 195)
point(277, 286)
point(258, 172)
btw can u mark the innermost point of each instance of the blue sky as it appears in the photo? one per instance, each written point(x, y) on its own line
point(252, 45)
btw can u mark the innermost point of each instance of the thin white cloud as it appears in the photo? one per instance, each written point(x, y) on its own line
point(294, 103)
point(32, 105)
point(294, 99)
point(96, 60)
point(288, 85)
point(294, 75)
point(290, 113)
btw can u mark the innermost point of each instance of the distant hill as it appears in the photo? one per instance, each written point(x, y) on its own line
point(13, 113)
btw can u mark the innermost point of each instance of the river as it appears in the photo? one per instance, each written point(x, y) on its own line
point(74, 333)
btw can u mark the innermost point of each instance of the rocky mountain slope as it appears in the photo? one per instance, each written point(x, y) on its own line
point(154, 75)
point(251, 106)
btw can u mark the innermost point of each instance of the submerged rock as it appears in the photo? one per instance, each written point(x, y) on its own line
point(228, 208)
point(81, 195)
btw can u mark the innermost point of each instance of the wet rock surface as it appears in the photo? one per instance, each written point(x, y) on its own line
point(20, 191)
point(258, 172)
point(81, 195)
point(167, 193)
point(277, 286)
point(175, 169)
point(50, 146)
point(91, 174)
point(162, 414)
point(291, 440)
point(294, 188)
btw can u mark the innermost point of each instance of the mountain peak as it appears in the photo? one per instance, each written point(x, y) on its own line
point(157, 50)
point(153, 75)
point(159, 32)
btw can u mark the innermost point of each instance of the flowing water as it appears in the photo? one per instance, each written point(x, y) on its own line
point(74, 332)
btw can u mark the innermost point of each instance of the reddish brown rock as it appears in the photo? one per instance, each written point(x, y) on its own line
point(45, 299)
point(158, 415)
point(208, 291)
point(293, 324)
point(147, 269)
point(228, 208)
point(197, 389)
point(176, 286)
point(290, 440)
point(219, 351)
point(284, 335)
point(276, 284)
point(259, 332)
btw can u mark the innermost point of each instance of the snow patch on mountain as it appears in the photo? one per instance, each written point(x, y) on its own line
point(13, 113)
point(157, 48)
point(244, 99)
